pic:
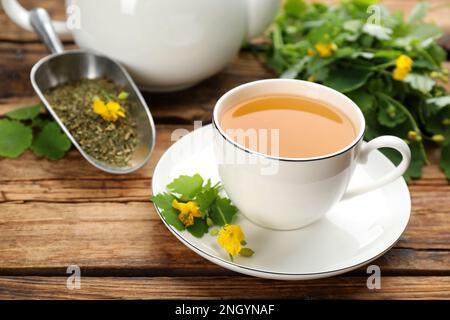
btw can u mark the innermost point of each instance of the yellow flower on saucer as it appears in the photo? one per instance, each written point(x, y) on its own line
point(188, 211)
point(403, 66)
point(230, 238)
point(110, 111)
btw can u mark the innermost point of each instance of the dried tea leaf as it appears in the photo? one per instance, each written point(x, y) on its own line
point(111, 142)
point(123, 95)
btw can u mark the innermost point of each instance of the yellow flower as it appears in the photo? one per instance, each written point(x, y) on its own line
point(311, 52)
point(438, 138)
point(414, 136)
point(403, 66)
point(230, 238)
point(110, 111)
point(403, 62)
point(400, 74)
point(188, 211)
point(325, 50)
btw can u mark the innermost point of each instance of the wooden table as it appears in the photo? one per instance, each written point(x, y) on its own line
point(57, 213)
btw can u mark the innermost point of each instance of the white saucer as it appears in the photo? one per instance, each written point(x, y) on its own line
point(352, 234)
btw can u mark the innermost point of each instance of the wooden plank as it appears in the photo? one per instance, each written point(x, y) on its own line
point(74, 167)
point(129, 238)
point(136, 188)
point(28, 168)
point(223, 288)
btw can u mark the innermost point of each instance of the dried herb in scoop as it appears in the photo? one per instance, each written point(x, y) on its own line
point(97, 114)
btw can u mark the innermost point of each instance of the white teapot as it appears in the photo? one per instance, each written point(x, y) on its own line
point(166, 45)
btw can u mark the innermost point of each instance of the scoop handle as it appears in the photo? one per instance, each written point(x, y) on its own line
point(42, 24)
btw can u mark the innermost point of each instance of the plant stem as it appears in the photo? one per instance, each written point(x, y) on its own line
point(384, 65)
point(411, 119)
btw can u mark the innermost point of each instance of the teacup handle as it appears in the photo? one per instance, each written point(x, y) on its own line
point(377, 143)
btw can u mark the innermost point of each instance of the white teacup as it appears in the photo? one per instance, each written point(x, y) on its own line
point(290, 193)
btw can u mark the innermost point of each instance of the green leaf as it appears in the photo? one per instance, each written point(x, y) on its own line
point(364, 100)
point(39, 122)
point(15, 138)
point(423, 34)
point(51, 142)
point(209, 222)
point(445, 160)
point(223, 211)
point(164, 202)
point(293, 71)
point(377, 31)
point(390, 116)
point(439, 123)
point(422, 83)
point(346, 80)
point(441, 102)
point(387, 54)
point(295, 7)
point(199, 228)
point(418, 12)
point(352, 25)
point(347, 52)
point(417, 161)
point(317, 63)
point(362, 4)
point(246, 252)
point(205, 199)
point(186, 186)
point(27, 113)
point(437, 52)
point(362, 54)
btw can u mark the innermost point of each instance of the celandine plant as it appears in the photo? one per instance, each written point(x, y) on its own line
point(198, 207)
point(391, 67)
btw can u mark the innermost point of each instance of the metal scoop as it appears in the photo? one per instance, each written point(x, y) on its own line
point(61, 67)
